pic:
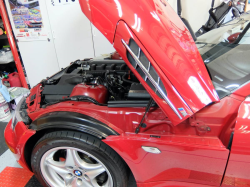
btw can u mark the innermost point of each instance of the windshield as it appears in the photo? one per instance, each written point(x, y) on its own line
point(226, 54)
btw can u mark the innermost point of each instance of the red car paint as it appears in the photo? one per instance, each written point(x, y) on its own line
point(97, 92)
point(33, 103)
point(200, 156)
point(205, 152)
point(165, 38)
point(193, 159)
point(172, 93)
point(16, 140)
point(238, 163)
point(193, 149)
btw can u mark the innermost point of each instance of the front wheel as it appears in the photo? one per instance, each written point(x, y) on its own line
point(74, 159)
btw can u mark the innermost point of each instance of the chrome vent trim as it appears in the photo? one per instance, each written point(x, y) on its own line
point(149, 77)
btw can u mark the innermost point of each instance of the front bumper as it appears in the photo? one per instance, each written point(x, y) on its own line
point(16, 135)
point(16, 140)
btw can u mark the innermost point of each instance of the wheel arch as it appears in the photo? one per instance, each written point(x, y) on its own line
point(67, 121)
point(72, 121)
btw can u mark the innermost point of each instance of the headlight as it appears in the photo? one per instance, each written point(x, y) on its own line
point(13, 120)
point(17, 117)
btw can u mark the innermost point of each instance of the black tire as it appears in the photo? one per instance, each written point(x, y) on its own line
point(85, 142)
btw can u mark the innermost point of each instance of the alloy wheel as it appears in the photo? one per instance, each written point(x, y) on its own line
point(72, 167)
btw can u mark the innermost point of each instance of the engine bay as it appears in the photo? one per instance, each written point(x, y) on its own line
point(104, 82)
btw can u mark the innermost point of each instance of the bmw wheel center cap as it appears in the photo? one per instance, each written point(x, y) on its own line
point(78, 173)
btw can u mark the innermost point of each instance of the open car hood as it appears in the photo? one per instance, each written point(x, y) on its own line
point(158, 48)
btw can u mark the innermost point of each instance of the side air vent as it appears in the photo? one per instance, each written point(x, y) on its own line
point(147, 65)
point(143, 66)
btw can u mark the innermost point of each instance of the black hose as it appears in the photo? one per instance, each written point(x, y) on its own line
point(76, 98)
point(126, 80)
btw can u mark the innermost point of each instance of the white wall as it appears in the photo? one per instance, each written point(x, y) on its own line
point(195, 11)
point(71, 32)
point(39, 57)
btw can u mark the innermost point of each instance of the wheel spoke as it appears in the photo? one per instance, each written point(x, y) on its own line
point(69, 181)
point(73, 159)
point(78, 161)
point(91, 167)
point(55, 176)
point(57, 167)
point(84, 184)
point(70, 158)
point(73, 183)
point(94, 170)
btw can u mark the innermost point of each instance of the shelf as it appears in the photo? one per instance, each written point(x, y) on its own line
point(2, 37)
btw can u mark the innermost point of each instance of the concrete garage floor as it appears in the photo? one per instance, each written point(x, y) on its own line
point(11, 174)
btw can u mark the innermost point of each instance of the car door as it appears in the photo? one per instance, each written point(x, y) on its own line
point(238, 168)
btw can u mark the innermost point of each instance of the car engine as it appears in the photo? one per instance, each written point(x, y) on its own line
point(102, 82)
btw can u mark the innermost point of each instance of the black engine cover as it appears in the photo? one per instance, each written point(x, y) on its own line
point(137, 91)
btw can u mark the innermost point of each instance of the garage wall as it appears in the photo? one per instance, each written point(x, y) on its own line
point(195, 11)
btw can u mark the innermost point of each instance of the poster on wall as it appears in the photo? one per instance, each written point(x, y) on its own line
point(27, 19)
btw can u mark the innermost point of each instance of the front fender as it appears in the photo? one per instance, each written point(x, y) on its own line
point(187, 158)
point(73, 121)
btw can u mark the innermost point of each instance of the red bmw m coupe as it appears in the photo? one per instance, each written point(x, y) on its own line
point(172, 112)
